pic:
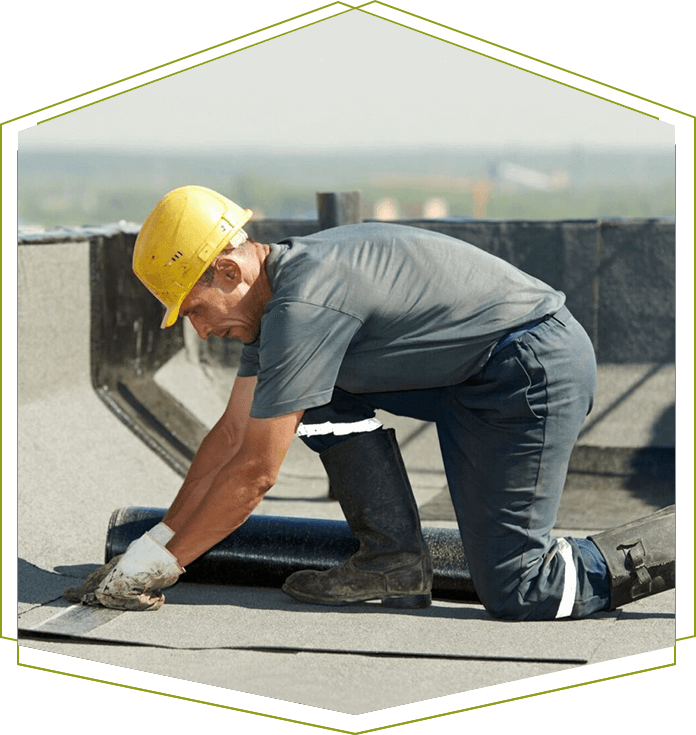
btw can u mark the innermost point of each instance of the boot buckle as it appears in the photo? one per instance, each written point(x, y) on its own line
point(635, 558)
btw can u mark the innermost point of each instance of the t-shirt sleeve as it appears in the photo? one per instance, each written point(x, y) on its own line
point(249, 360)
point(300, 351)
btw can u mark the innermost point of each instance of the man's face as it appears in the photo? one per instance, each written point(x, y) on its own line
point(223, 307)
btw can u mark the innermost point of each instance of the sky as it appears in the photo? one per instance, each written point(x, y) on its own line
point(353, 81)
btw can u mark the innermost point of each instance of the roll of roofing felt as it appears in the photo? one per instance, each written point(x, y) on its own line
point(266, 550)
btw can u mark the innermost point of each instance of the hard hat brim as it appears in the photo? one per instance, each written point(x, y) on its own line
point(170, 317)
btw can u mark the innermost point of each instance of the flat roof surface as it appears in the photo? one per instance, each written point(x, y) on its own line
point(255, 649)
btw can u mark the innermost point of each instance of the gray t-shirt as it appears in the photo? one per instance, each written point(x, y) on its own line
point(381, 307)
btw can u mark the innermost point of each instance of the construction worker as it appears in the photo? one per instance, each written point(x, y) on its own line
point(380, 316)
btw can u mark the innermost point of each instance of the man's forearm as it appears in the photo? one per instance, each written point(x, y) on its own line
point(237, 488)
point(217, 448)
point(232, 495)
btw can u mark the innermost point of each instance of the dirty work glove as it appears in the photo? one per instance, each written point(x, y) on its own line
point(135, 583)
point(85, 592)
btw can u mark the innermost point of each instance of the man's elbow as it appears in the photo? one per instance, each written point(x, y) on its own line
point(258, 477)
point(265, 482)
point(263, 450)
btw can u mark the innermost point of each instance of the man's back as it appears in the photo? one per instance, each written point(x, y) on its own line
point(379, 307)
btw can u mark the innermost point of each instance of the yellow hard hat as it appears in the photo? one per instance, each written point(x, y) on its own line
point(184, 233)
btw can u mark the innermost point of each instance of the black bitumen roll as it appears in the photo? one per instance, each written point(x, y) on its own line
point(265, 550)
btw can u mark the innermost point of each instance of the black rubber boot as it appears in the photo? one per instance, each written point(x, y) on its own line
point(640, 556)
point(392, 564)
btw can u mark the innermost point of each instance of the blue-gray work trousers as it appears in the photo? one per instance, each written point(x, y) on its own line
point(506, 436)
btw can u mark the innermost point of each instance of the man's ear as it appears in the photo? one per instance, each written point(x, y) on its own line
point(229, 271)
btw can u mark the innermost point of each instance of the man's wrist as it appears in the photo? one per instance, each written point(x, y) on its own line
point(162, 533)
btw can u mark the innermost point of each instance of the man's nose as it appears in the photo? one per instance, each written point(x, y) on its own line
point(203, 330)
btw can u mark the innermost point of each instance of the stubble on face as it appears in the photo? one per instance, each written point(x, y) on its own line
point(232, 303)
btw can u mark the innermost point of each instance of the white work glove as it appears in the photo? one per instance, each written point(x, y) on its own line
point(85, 592)
point(135, 583)
point(161, 533)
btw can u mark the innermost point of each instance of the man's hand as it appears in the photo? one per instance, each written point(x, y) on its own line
point(135, 583)
point(85, 592)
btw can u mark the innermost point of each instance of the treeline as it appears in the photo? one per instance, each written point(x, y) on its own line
point(88, 187)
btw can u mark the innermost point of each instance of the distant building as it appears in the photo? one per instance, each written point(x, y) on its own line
point(386, 208)
point(435, 208)
point(481, 195)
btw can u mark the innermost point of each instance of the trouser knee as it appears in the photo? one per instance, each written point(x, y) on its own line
point(509, 607)
point(524, 588)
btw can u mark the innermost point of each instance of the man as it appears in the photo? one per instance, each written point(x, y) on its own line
point(346, 321)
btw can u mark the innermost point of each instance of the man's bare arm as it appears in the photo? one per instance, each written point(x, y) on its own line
point(237, 488)
point(217, 448)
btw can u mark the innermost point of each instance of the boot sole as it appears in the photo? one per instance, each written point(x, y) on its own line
point(396, 601)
